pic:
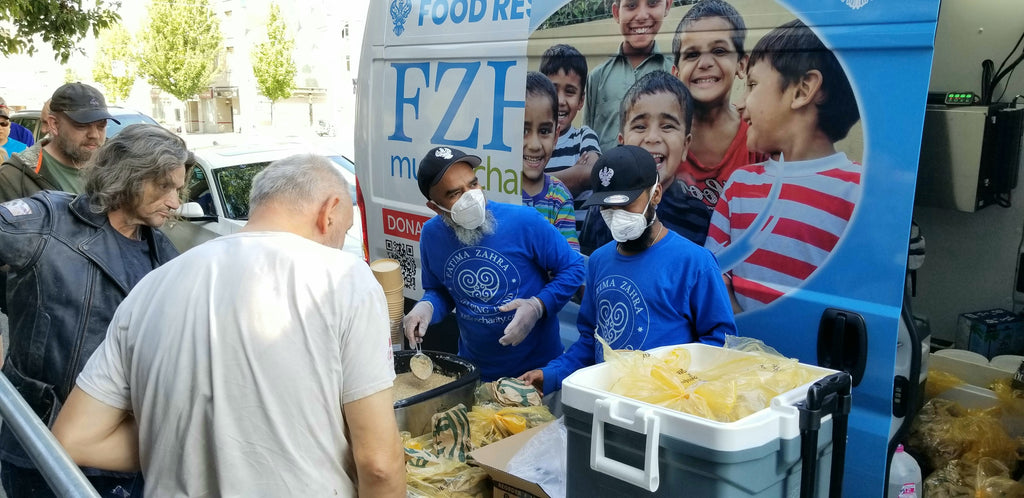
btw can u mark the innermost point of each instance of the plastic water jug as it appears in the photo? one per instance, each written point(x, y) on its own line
point(904, 476)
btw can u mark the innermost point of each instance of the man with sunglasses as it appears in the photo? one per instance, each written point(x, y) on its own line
point(77, 123)
point(7, 142)
point(18, 132)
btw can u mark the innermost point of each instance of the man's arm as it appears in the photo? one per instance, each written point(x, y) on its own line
point(577, 177)
point(376, 445)
point(96, 434)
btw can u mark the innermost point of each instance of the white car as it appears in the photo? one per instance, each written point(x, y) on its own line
point(217, 191)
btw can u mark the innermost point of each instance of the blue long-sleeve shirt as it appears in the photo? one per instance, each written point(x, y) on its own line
point(671, 293)
point(525, 257)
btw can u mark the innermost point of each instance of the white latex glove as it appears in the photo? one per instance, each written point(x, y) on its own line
point(528, 311)
point(416, 322)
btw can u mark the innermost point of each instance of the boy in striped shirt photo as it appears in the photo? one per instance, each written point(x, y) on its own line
point(577, 149)
point(784, 217)
point(543, 192)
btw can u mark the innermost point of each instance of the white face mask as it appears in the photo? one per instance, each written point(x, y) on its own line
point(627, 225)
point(470, 210)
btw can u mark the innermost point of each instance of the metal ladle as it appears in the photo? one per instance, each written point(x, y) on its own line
point(420, 364)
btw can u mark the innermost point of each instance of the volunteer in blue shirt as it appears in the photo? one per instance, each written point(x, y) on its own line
point(649, 287)
point(504, 269)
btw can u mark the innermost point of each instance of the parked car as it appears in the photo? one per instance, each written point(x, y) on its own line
point(30, 119)
point(217, 191)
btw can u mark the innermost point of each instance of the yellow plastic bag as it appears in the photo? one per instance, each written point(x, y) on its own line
point(940, 381)
point(490, 423)
point(448, 479)
point(724, 392)
point(944, 431)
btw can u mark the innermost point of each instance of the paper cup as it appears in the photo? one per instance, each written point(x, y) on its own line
point(389, 274)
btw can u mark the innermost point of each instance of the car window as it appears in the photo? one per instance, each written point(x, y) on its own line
point(198, 190)
point(234, 183)
point(127, 119)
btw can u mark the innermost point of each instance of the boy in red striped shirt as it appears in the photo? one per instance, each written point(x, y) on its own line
point(784, 217)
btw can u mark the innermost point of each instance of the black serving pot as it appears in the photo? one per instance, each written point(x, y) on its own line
point(414, 413)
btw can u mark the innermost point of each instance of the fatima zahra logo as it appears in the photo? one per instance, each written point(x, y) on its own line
point(443, 153)
point(400, 10)
point(605, 175)
point(856, 4)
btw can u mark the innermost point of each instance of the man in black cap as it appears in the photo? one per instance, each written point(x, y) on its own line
point(78, 124)
point(648, 288)
point(504, 269)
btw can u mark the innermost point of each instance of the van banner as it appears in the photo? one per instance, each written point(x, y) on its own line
point(806, 198)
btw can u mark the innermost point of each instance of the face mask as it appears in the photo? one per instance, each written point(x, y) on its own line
point(626, 225)
point(470, 210)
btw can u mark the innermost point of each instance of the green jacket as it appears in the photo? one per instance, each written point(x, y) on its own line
point(18, 177)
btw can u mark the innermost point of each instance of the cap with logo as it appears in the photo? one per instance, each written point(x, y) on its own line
point(80, 102)
point(620, 175)
point(437, 161)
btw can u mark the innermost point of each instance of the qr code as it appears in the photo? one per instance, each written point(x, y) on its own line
point(403, 253)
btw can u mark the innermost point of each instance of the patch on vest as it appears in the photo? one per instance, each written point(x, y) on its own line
point(17, 207)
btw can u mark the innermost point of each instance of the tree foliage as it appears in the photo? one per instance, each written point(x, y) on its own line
point(113, 65)
point(61, 23)
point(179, 45)
point(272, 61)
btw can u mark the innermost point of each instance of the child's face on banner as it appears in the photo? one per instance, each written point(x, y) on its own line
point(540, 132)
point(656, 123)
point(639, 21)
point(708, 62)
point(765, 108)
point(570, 96)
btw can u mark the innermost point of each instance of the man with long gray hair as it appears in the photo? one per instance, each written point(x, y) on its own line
point(270, 375)
point(73, 259)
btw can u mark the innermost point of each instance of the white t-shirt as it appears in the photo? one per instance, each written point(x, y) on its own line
point(237, 357)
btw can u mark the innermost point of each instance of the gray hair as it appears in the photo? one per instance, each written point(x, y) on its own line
point(297, 181)
point(116, 176)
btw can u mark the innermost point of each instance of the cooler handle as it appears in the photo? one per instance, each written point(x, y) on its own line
point(645, 422)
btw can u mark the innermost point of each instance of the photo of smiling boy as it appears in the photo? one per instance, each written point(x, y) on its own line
point(639, 22)
point(708, 55)
point(542, 191)
point(577, 149)
point(656, 114)
point(799, 102)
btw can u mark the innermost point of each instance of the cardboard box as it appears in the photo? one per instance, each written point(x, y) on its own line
point(494, 459)
point(990, 333)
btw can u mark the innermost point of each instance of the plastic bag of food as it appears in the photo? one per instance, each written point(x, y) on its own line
point(986, 478)
point(507, 391)
point(490, 423)
point(944, 431)
point(446, 479)
point(452, 433)
point(940, 381)
point(725, 392)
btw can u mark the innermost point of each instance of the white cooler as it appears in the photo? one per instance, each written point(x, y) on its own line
point(619, 446)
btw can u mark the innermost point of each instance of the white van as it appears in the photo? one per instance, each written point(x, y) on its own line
point(453, 73)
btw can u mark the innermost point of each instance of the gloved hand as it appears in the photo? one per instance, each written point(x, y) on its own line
point(416, 321)
point(528, 311)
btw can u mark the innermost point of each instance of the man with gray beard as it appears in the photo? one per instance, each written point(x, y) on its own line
point(503, 268)
point(77, 125)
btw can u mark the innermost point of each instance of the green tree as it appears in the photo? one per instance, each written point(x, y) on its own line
point(61, 23)
point(112, 65)
point(179, 44)
point(70, 76)
point(272, 61)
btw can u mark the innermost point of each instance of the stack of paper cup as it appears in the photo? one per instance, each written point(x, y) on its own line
point(389, 275)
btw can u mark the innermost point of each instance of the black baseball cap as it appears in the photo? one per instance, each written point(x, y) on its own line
point(620, 175)
point(436, 162)
point(80, 102)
